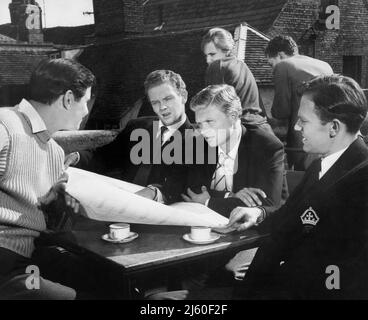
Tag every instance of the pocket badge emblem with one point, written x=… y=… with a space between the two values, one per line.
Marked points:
x=309 y=217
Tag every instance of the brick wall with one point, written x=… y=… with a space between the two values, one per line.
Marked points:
x=331 y=45
x=134 y=16
x=109 y=16
x=118 y=17
x=328 y=49
x=354 y=32
x=295 y=18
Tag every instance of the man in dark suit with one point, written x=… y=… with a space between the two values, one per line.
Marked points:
x=290 y=70
x=248 y=167
x=143 y=151
x=318 y=244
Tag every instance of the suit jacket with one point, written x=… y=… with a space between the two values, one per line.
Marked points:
x=169 y=178
x=339 y=238
x=260 y=165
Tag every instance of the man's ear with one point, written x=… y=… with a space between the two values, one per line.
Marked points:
x=184 y=96
x=282 y=55
x=68 y=99
x=334 y=128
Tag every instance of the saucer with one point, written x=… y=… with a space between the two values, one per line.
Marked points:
x=131 y=237
x=213 y=238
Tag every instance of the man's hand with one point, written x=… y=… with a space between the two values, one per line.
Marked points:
x=148 y=193
x=250 y=196
x=58 y=207
x=196 y=197
x=243 y=218
x=58 y=190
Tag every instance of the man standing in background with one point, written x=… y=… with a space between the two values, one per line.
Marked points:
x=290 y=71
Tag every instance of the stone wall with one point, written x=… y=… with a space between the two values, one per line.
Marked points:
x=72 y=141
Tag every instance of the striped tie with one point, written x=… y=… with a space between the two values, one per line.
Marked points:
x=219 y=178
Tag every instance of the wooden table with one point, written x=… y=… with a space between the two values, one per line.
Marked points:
x=158 y=250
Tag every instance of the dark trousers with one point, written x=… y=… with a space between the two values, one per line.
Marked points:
x=60 y=275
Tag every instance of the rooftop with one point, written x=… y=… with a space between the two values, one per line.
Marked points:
x=193 y=14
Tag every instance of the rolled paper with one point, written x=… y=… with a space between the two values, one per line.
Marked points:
x=107 y=199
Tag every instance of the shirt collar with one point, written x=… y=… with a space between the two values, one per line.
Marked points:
x=35 y=121
x=329 y=161
x=233 y=152
x=172 y=128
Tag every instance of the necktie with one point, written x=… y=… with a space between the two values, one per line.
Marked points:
x=316 y=170
x=219 y=177
x=163 y=130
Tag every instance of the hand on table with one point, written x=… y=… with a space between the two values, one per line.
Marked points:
x=243 y=218
x=196 y=197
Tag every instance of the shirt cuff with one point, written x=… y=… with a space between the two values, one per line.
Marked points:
x=227 y=194
x=158 y=195
x=262 y=216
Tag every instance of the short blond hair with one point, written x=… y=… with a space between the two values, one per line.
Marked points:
x=220 y=95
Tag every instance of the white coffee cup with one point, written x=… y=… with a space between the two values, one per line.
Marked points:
x=200 y=233
x=119 y=231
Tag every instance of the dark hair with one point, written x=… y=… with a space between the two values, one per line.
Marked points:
x=338 y=97
x=158 y=77
x=279 y=44
x=220 y=95
x=52 y=78
x=221 y=38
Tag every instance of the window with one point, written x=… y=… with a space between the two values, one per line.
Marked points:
x=352 y=67
x=55 y=55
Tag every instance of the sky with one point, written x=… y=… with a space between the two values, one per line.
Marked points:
x=58 y=12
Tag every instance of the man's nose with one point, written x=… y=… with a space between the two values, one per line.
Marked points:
x=204 y=129
x=297 y=127
x=163 y=106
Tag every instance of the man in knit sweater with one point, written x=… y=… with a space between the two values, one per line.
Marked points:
x=31 y=164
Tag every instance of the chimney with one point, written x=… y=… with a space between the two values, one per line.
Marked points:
x=118 y=17
x=26 y=18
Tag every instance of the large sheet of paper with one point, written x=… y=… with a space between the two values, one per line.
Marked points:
x=108 y=199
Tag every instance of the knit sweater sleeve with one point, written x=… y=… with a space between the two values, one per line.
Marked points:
x=4 y=148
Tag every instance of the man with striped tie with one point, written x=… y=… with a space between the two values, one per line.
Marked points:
x=250 y=161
